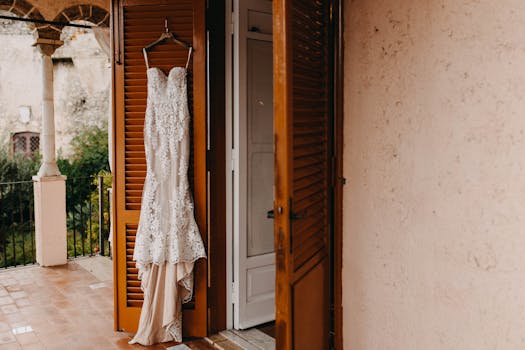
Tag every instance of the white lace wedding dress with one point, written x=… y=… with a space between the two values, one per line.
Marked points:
x=168 y=240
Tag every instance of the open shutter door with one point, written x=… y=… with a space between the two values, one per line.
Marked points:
x=137 y=23
x=303 y=127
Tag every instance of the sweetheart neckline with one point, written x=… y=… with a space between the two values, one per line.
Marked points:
x=169 y=73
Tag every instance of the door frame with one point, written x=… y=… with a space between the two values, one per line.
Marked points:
x=237 y=164
x=220 y=250
x=229 y=166
x=339 y=181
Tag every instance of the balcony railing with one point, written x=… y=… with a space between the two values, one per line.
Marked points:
x=88 y=219
x=17 y=229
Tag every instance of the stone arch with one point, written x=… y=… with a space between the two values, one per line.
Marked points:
x=91 y=13
x=21 y=8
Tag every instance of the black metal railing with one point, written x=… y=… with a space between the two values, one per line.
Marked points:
x=88 y=216
x=88 y=219
x=17 y=229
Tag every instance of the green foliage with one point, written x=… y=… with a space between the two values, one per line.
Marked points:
x=16 y=188
x=90 y=154
x=16 y=203
x=84 y=220
x=89 y=160
x=17 y=244
x=17 y=167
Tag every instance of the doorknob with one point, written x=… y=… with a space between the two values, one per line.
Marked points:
x=270 y=214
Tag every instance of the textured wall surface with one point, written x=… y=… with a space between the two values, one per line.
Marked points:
x=50 y=8
x=82 y=79
x=434 y=206
x=20 y=81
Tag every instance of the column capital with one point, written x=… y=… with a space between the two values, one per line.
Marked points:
x=47 y=46
x=49 y=169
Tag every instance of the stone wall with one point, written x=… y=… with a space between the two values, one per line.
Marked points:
x=50 y=9
x=20 y=80
x=94 y=11
x=82 y=83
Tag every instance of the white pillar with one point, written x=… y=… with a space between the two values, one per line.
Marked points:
x=47 y=137
x=49 y=185
x=50 y=220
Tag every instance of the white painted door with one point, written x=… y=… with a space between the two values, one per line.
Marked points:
x=254 y=258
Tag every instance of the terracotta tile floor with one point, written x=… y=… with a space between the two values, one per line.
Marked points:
x=61 y=308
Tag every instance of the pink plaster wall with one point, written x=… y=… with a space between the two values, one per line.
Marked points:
x=434 y=206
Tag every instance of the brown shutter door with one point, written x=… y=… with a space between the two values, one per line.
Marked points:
x=303 y=173
x=137 y=23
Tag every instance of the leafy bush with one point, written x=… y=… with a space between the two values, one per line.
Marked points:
x=90 y=154
x=89 y=160
x=17 y=167
x=90 y=157
x=83 y=218
x=16 y=208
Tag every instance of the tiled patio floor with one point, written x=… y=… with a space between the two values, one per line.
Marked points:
x=63 y=307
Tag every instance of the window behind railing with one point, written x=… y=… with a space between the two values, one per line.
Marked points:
x=26 y=143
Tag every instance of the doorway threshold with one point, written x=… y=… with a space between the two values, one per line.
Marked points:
x=251 y=339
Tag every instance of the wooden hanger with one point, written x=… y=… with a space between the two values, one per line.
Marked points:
x=164 y=36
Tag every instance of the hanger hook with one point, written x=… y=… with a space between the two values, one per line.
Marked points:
x=166 y=25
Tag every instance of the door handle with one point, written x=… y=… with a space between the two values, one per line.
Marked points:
x=270 y=214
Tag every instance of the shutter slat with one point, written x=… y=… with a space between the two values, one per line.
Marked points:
x=139 y=156
x=308 y=251
x=135 y=38
x=133 y=291
x=309 y=238
x=310 y=132
x=309 y=204
x=307 y=181
x=317 y=161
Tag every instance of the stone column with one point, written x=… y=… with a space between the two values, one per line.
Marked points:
x=49 y=185
x=47 y=137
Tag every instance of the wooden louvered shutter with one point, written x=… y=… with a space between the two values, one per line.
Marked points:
x=137 y=23
x=303 y=129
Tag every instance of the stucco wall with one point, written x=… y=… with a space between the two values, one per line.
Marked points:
x=82 y=89
x=434 y=206
x=20 y=81
x=81 y=86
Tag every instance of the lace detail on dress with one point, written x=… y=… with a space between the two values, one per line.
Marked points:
x=175 y=329
x=167 y=231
